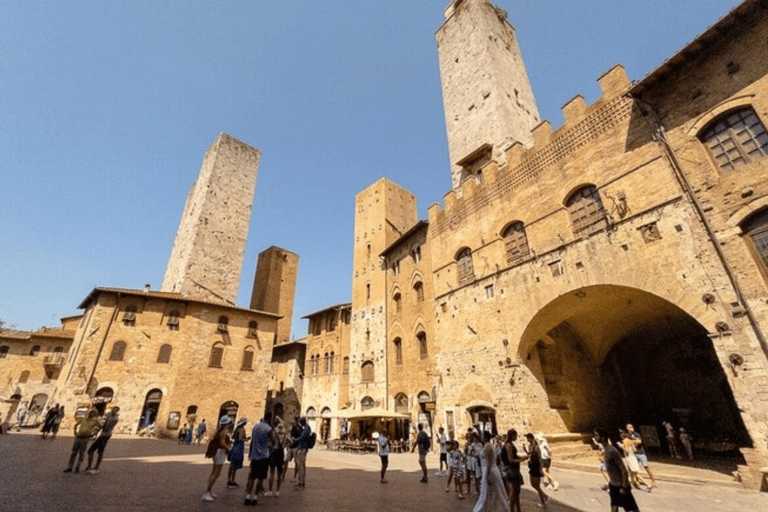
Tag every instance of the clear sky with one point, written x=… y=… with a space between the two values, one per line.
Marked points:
x=106 y=110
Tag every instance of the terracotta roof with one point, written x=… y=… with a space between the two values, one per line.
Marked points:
x=165 y=295
x=329 y=308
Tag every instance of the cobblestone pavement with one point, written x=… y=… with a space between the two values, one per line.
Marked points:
x=149 y=474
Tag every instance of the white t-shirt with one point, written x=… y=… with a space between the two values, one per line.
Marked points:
x=383 y=445
x=443 y=443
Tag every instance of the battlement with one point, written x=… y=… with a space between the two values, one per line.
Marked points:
x=583 y=124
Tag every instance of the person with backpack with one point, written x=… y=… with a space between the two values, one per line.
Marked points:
x=217 y=449
x=423 y=443
x=305 y=441
x=85 y=429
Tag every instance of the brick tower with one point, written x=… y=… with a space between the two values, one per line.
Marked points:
x=274 y=287
x=383 y=213
x=487 y=97
x=207 y=255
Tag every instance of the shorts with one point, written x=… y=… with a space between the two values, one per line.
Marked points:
x=545 y=463
x=384 y=459
x=277 y=460
x=236 y=464
x=642 y=459
x=444 y=458
x=290 y=454
x=220 y=457
x=259 y=469
x=624 y=500
x=514 y=477
x=422 y=456
x=99 y=444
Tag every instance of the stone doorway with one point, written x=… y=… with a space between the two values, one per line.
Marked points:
x=483 y=418
x=608 y=355
x=149 y=411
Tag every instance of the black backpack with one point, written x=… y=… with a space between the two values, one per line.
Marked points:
x=312 y=440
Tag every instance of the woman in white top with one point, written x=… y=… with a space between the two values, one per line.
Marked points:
x=493 y=495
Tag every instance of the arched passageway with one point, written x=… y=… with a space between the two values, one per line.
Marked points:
x=608 y=355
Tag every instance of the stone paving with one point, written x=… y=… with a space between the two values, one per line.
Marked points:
x=150 y=474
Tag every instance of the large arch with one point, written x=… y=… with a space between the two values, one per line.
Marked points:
x=607 y=355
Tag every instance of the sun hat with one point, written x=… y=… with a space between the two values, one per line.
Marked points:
x=241 y=422
x=225 y=420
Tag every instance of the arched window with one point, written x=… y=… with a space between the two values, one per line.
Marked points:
x=515 y=242
x=367 y=371
x=247 y=359
x=465 y=270
x=586 y=210
x=223 y=324
x=164 y=356
x=253 y=329
x=325 y=360
x=418 y=291
x=217 y=355
x=401 y=403
x=422 y=338
x=329 y=363
x=118 y=351
x=346 y=365
x=398 y=350
x=34 y=350
x=368 y=290
x=311 y=414
x=173 y=320
x=4 y=351
x=129 y=317
x=756 y=230
x=735 y=138
x=332 y=322
x=398 y=302
x=314 y=363
x=366 y=403
x=24 y=377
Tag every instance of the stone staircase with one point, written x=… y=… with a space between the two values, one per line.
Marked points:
x=571 y=446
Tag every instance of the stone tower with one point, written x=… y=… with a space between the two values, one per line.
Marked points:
x=383 y=213
x=487 y=97
x=207 y=255
x=274 y=287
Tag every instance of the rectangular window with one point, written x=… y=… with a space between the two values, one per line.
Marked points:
x=489 y=291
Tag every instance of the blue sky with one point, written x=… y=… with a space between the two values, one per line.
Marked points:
x=106 y=110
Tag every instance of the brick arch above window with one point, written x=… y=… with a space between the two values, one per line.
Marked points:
x=707 y=117
x=735 y=138
x=586 y=210
x=515 y=241
x=464 y=267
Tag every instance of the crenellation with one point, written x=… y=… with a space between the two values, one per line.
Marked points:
x=574 y=110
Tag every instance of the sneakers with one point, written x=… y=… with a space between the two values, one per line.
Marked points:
x=94 y=471
x=77 y=470
x=268 y=494
x=424 y=480
x=277 y=494
x=461 y=496
x=68 y=470
x=384 y=481
x=232 y=485
x=207 y=497
x=251 y=500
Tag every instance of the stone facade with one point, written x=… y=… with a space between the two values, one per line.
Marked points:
x=274 y=287
x=612 y=270
x=30 y=363
x=207 y=255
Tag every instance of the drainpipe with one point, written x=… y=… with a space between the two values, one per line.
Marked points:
x=660 y=135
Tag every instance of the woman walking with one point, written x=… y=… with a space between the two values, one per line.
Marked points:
x=534 y=467
x=511 y=461
x=217 y=450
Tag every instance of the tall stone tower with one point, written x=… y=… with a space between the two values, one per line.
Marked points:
x=274 y=287
x=207 y=255
x=383 y=213
x=487 y=97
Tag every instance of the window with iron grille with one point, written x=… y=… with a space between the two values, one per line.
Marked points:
x=735 y=138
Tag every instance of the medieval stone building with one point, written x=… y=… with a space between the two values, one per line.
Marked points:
x=188 y=352
x=612 y=270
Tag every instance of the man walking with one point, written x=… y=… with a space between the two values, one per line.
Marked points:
x=301 y=452
x=422 y=441
x=200 y=434
x=259 y=454
x=383 y=455
x=618 y=485
x=443 y=440
x=101 y=442
x=84 y=429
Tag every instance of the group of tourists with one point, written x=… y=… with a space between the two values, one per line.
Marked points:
x=271 y=450
x=86 y=428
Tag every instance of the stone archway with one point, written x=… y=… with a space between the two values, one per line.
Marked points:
x=607 y=355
